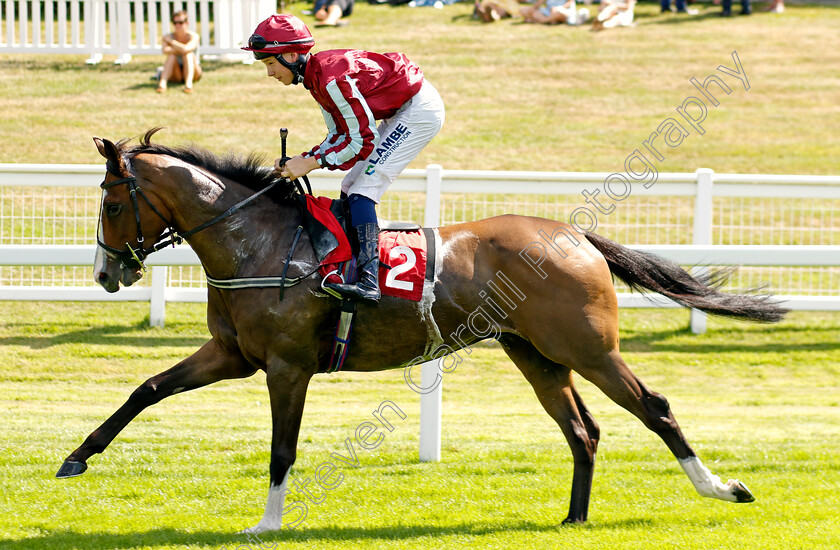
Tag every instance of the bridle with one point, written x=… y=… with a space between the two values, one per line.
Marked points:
x=134 y=258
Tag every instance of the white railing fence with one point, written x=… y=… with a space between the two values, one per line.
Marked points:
x=125 y=27
x=48 y=218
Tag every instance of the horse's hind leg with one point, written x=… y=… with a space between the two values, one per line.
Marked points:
x=554 y=388
x=615 y=379
x=209 y=364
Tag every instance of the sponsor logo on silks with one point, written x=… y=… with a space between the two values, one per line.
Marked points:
x=387 y=145
x=370 y=169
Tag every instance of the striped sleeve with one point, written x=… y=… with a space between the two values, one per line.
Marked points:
x=346 y=149
x=332 y=136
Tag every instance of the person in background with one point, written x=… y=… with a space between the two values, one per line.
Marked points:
x=746 y=9
x=329 y=13
x=614 y=13
x=181 y=51
x=354 y=89
x=776 y=6
x=552 y=12
x=437 y=4
x=489 y=11
x=679 y=7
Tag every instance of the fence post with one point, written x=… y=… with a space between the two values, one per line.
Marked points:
x=430 y=412
x=94 y=14
x=431 y=403
x=157 y=307
x=434 y=179
x=121 y=43
x=702 y=232
x=23 y=22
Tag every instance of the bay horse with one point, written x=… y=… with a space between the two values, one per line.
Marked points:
x=564 y=317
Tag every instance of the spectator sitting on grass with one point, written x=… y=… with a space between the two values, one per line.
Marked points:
x=181 y=51
x=329 y=13
x=552 y=12
x=438 y=4
x=494 y=10
x=614 y=13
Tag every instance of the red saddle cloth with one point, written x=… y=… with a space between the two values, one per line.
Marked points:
x=402 y=256
x=404 y=252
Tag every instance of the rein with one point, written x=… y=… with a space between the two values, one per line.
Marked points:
x=137 y=257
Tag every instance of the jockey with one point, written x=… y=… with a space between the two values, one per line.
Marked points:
x=354 y=88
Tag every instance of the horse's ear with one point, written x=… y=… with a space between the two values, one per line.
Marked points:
x=108 y=150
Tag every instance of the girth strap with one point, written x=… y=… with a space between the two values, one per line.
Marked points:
x=255 y=282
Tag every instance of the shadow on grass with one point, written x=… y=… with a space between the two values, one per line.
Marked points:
x=635 y=341
x=669 y=340
x=68 y=539
x=145 y=64
x=151 y=84
x=109 y=335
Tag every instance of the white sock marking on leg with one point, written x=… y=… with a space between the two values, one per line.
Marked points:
x=272 y=519
x=706 y=483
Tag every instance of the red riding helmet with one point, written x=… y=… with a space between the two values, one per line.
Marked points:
x=278 y=34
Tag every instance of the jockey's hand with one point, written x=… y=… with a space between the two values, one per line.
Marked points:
x=296 y=167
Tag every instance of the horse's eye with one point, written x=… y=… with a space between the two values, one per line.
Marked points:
x=112 y=209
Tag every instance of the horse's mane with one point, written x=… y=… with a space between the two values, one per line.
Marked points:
x=249 y=171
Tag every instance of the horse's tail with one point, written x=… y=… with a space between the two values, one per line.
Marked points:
x=643 y=271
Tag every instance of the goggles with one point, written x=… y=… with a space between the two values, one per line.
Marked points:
x=257 y=42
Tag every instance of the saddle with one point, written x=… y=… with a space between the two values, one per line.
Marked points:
x=327 y=222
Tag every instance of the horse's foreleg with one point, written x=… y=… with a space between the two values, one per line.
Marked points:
x=554 y=388
x=616 y=380
x=287 y=392
x=209 y=364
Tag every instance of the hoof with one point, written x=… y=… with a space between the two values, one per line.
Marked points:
x=740 y=492
x=573 y=521
x=71 y=468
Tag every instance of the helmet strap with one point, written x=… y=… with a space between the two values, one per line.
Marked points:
x=298 y=68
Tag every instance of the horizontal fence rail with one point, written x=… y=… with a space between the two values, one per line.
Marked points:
x=435 y=196
x=125 y=27
x=158 y=293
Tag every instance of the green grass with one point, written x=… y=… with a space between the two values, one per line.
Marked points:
x=758 y=403
x=519 y=97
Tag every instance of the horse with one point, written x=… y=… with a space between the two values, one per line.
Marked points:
x=551 y=305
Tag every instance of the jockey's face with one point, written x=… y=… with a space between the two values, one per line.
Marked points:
x=276 y=70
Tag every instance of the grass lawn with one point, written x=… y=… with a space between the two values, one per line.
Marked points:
x=518 y=97
x=758 y=403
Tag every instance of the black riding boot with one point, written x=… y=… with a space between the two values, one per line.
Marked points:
x=367 y=289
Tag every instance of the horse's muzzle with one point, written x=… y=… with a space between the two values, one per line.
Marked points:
x=110 y=277
x=109 y=272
